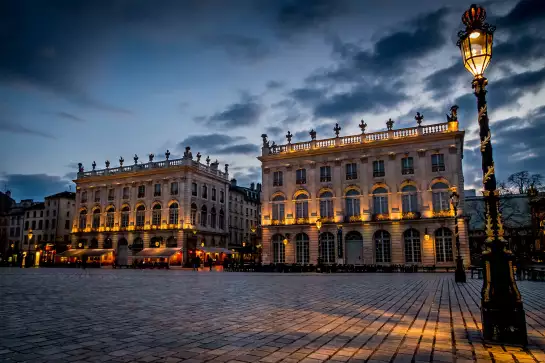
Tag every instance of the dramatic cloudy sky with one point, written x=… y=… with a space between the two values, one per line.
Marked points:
x=96 y=80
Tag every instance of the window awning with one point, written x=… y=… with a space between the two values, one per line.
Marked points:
x=89 y=252
x=158 y=252
x=215 y=250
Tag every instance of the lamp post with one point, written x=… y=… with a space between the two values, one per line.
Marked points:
x=27 y=259
x=318 y=227
x=459 y=274
x=501 y=304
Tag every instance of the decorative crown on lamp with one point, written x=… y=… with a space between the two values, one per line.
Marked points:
x=475 y=41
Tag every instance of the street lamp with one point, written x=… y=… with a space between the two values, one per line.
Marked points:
x=318 y=227
x=501 y=304
x=459 y=274
x=27 y=260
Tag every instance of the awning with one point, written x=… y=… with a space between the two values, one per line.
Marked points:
x=215 y=250
x=158 y=252
x=89 y=252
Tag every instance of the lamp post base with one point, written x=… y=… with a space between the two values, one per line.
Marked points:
x=460 y=273
x=503 y=317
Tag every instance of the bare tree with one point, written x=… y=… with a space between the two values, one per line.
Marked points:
x=522 y=180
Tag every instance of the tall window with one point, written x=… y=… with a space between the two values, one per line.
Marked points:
x=83 y=219
x=408 y=199
x=325 y=173
x=213 y=217
x=278 y=179
x=440 y=197
x=96 y=218
x=157 y=190
x=222 y=220
x=326 y=205
x=351 y=171
x=278 y=208
x=443 y=245
x=156 y=215
x=222 y=196
x=204 y=215
x=140 y=216
x=279 y=251
x=125 y=211
x=302 y=248
x=47 y=224
x=126 y=193
x=382 y=246
x=301 y=206
x=40 y=224
x=194 y=214
x=173 y=213
x=412 y=246
x=204 y=193
x=327 y=247
x=194 y=189
x=110 y=212
x=214 y=194
x=407 y=165
x=438 y=162
x=141 y=191
x=380 y=201
x=97 y=198
x=301 y=176
x=378 y=168
x=111 y=194
x=352 y=203
x=83 y=198
x=174 y=188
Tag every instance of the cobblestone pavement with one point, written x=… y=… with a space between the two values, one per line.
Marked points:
x=58 y=315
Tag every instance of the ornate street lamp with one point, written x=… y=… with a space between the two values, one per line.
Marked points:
x=318 y=227
x=459 y=274
x=501 y=304
x=27 y=259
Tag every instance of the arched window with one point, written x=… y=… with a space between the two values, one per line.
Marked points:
x=156 y=215
x=82 y=242
x=125 y=211
x=110 y=213
x=173 y=213
x=83 y=219
x=301 y=206
x=412 y=246
x=194 y=214
x=108 y=243
x=443 y=245
x=222 y=219
x=137 y=245
x=440 y=197
x=326 y=205
x=172 y=242
x=278 y=208
x=302 y=248
x=213 y=217
x=140 y=216
x=408 y=199
x=96 y=218
x=327 y=247
x=382 y=246
x=279 y=250
x=380 y=201
x=352 y=203
x=204 y=215
x=94 y=243
x=155 y=242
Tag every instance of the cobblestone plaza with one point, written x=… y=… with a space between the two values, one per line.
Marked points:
x=68 y=315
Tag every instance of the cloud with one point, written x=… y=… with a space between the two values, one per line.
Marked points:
x=15 y=128
x=246 y=175
x=35 y=186
x=523 y=15
x=240 y=46
x=294 y=16
x=273 y=131
x=274 y=85
x=244 y=113
x=69 y=116
x=218 y=144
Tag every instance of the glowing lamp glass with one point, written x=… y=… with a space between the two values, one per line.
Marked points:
x=285 y=241
x=476 y=51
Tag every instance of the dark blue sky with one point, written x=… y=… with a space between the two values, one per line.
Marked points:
x=96 y=80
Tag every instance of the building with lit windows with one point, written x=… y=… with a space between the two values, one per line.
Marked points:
x=156 y=209
x=371 y=198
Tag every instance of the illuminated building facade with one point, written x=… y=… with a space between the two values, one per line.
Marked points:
x=373 y=198
x=157 y=204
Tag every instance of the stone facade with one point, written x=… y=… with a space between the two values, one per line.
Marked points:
x=381 y=198
x=244 y=213
x=170 y=203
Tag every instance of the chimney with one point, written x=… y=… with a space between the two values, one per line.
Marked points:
x=252 y=186
x=233 y=182
x=259 y=187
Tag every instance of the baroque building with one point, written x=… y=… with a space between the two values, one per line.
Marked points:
x=371 y=198
x=177 y=204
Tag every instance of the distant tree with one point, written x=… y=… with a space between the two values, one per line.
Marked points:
x=522 y=180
